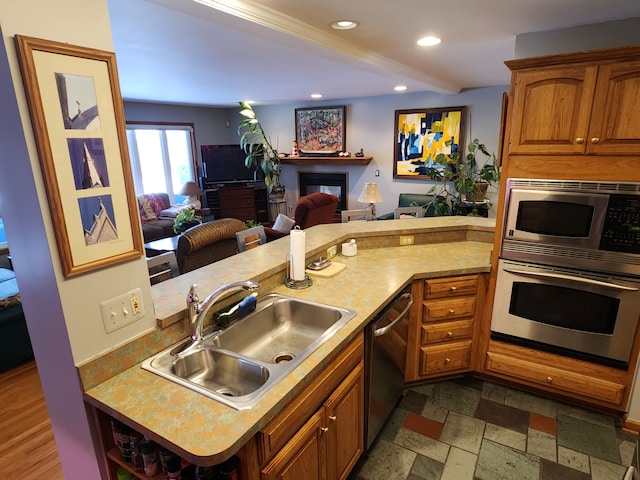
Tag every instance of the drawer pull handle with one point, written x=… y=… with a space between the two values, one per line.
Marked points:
x=453 y=289
x=580 y=140
x=452 y=311
x=333 y=418
x=447 y=361
x=549 y=380
x=450 y=334
x=595 y=140
x=324 y=429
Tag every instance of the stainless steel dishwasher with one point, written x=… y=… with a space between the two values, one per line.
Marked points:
x=385 y=354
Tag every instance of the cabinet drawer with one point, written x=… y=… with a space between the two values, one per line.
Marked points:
x=448 y=309
x=240 y=212
x=445 y=358
x=450 y=286
x=446 y=331
x=555 y=378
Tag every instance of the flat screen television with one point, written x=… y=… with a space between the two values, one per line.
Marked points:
x=225 y=164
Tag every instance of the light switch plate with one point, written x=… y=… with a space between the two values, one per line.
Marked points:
x=122 y=310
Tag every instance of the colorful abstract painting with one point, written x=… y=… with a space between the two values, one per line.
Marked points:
x=320 y=129
x=422 y=134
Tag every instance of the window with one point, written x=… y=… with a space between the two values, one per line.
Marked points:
x=162 y=157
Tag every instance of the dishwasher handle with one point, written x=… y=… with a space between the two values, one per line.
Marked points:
x=381 y=331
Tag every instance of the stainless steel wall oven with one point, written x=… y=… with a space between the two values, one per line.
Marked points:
x=569 y=270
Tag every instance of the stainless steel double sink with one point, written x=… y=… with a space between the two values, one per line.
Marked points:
x=238 y=365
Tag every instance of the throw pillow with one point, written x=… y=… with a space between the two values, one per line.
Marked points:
x=283 y=223
x=147 y=212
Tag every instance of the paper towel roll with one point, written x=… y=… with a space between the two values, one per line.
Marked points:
x=297 y=251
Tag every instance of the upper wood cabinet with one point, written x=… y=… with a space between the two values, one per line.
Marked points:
x=576 y=104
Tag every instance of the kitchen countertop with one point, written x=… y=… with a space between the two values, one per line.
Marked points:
x=206 y=432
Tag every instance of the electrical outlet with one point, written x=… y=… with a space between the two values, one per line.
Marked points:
x=406 y=239
x=122 y=310
x=332 y=251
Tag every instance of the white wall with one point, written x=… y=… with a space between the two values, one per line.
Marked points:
x=588 y=37
x=370 y=126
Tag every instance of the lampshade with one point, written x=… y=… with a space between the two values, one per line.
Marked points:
x=190 y=189
x=370 y=193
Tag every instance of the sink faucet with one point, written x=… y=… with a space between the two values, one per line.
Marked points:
x=197 y=311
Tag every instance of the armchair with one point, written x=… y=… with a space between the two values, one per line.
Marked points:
x=313 y=209
x=207 y=243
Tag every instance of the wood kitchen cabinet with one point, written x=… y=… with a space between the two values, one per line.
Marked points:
x=576 y=104
x=320 y=434
x=578 y=379
x=330 y=442
x=442 y=326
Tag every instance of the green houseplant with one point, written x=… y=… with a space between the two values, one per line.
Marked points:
x=186 y=219
x=258 y=148
x=470 y=179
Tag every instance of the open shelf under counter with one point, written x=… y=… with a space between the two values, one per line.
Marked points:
x=352 y=160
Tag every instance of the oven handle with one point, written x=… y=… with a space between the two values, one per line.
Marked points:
x=381 y=331
x=561 y=276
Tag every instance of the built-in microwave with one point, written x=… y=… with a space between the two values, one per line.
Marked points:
x=579 y=224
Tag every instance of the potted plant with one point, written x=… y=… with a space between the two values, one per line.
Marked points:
x=259 y=151
x=186 y=219
x=470 y=179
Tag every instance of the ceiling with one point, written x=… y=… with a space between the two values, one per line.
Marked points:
x=281 y=51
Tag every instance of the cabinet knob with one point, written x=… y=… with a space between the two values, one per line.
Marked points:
x=324 y=429
x=549 y=379
x=580 y=140
x=333 y=418
x=447 y=361
x=595 y=140
x=452 y=311
x=453 y=289
x=450 y=334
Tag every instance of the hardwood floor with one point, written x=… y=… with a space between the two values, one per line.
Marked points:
x=27 y=447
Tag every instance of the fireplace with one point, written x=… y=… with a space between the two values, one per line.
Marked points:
x=333 y=183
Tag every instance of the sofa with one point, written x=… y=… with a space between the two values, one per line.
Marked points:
x=15 y=344
x=157 y=215
x=415 y=200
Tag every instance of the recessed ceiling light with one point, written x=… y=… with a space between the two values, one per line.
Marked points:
x=400 y=88
x=429 y=41
x=316 y=95
x=344 y=24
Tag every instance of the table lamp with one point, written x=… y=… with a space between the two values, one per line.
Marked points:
x=192 y=191
x=371 y=195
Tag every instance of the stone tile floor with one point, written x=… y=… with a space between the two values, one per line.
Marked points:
x=476 y=430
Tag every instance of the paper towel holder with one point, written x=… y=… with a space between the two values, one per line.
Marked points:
x=296 y=284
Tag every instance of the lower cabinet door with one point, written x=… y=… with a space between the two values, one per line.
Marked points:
x=345 y=421
x=303 y=457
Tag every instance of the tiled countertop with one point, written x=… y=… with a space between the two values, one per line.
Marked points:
x=206 y=432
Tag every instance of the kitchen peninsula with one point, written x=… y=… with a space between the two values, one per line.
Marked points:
x=206 y=432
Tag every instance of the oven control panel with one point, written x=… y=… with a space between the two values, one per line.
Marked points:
x=621 y=230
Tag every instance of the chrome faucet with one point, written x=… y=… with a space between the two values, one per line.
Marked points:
x=197 y=311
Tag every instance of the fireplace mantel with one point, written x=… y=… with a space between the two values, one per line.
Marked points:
x=326 y=160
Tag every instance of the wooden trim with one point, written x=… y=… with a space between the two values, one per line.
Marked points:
x=631 y=426
x=601 y=55
x=309 y=161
